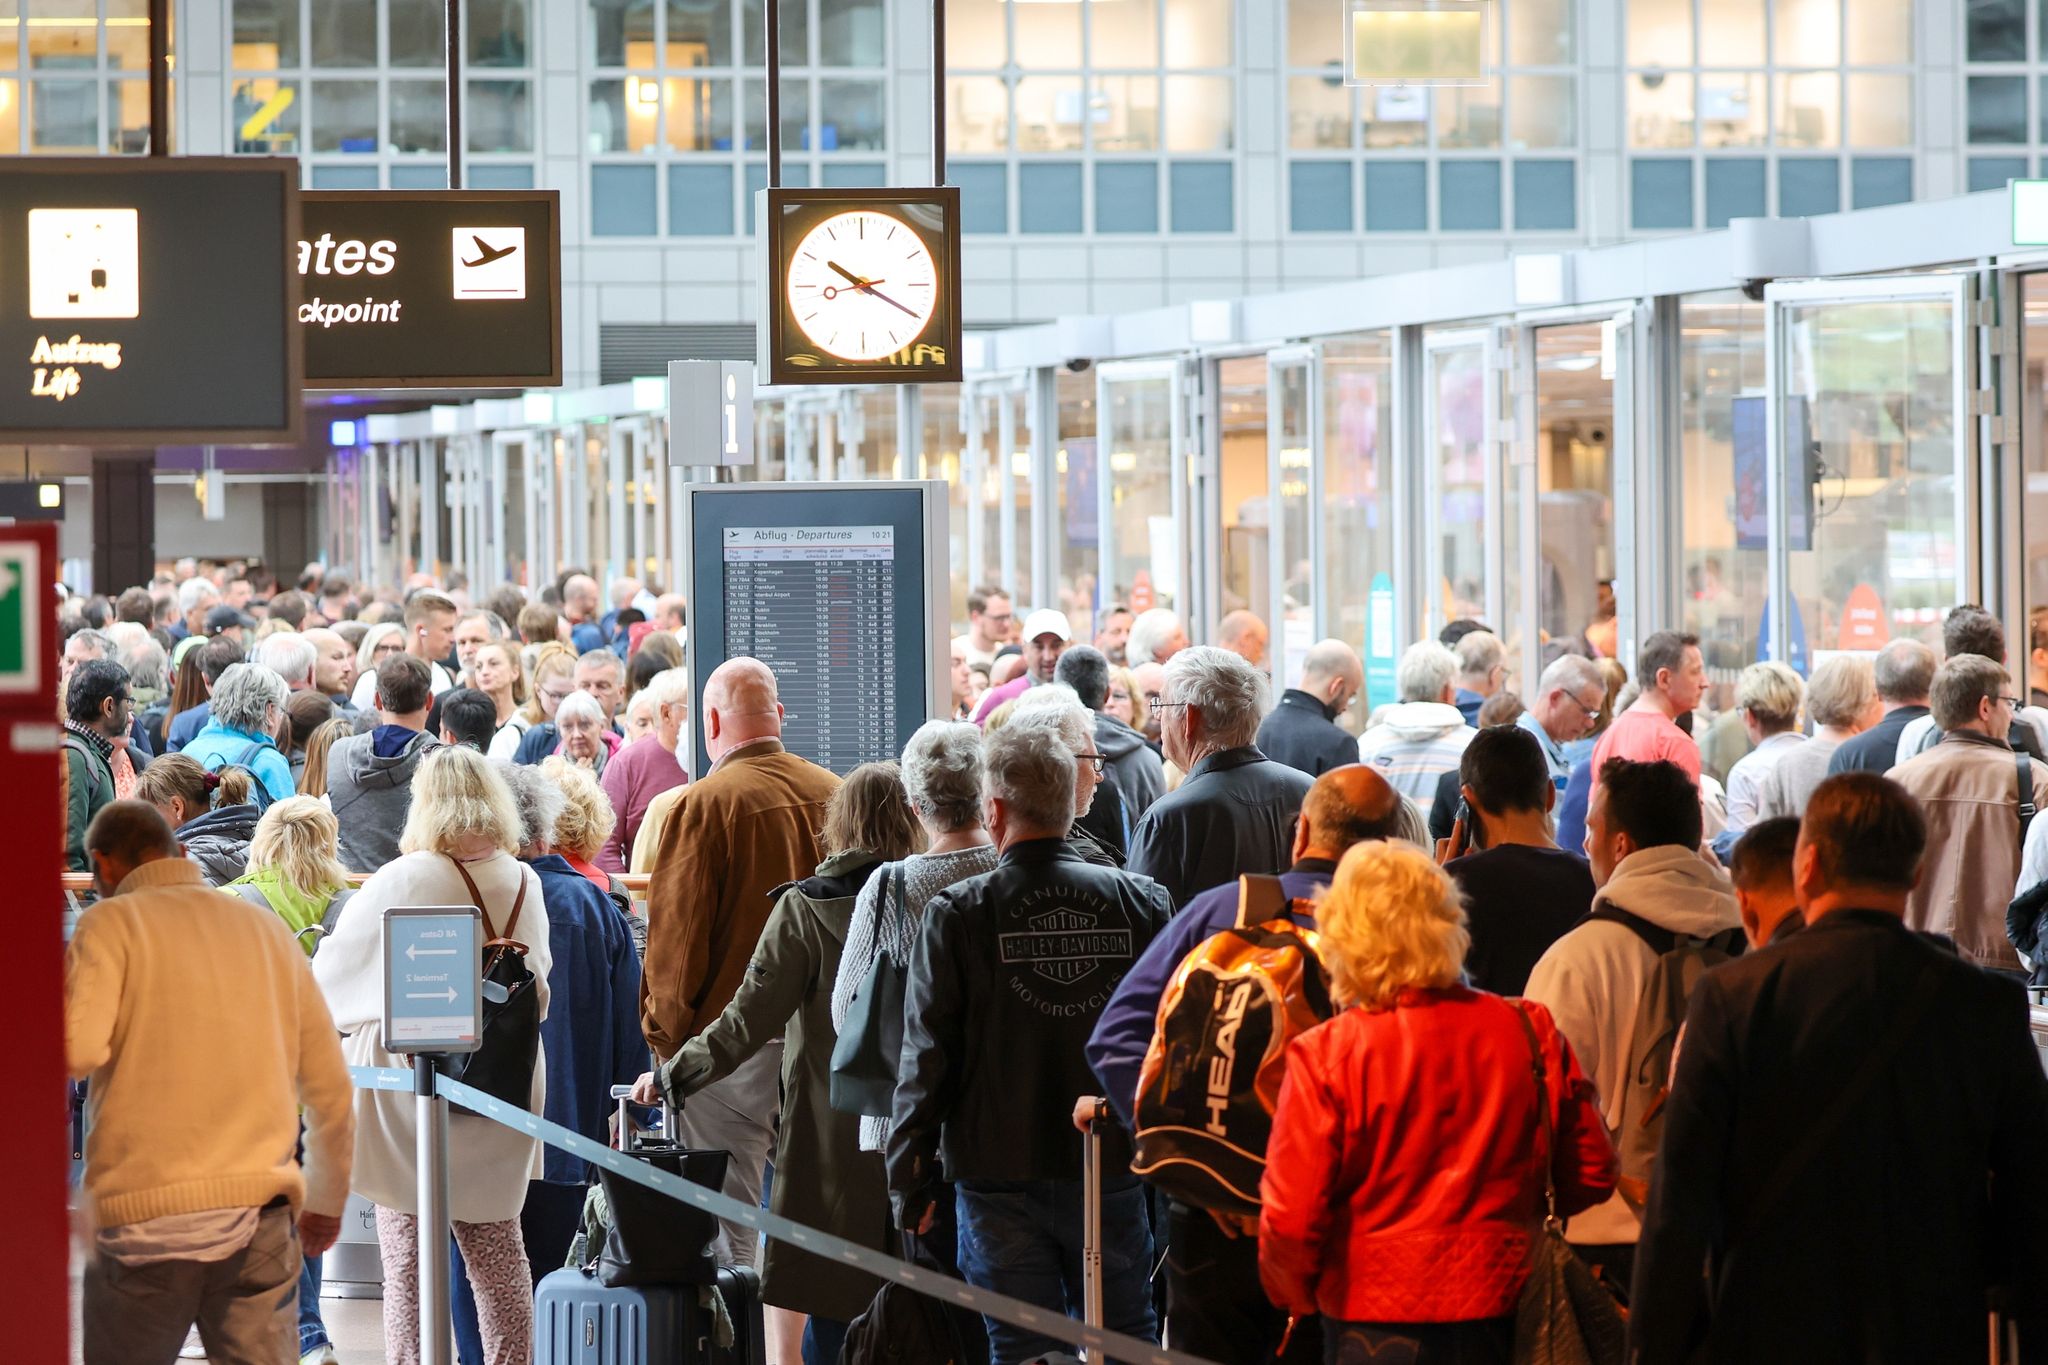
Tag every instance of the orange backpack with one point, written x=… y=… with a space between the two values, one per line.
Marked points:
x=1211 y=1078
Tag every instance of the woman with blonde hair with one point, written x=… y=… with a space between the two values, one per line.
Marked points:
x=498 y=676
x=295 y=867
x=380 y=642
x=1127 y=700
x=586 y=821
x=1413 y=1144
x=553 y=672
x=295 y=873
x=458 y=847
x=313 y=776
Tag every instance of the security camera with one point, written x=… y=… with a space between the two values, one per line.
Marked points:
x=1597 y=436
x=1079 y=365
x=1753 y=290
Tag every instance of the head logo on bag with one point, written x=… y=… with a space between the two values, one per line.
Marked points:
x=1211 y=1078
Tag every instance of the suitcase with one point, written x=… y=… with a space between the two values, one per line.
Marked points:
x=577 y=1321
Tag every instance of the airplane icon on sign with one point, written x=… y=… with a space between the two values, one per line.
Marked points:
x=486 y=253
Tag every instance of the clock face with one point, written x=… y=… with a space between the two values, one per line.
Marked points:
x=862 y=284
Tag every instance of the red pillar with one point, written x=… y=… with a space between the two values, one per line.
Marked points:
x=34 y=1151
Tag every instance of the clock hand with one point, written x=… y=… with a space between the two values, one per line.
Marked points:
x=866 y=286
x=851 y=278
x=886 y=299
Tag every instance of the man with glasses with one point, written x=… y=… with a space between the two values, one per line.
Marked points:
x=97 y=710
x=1569 y=696
x=989 y=619
x=1971 y=787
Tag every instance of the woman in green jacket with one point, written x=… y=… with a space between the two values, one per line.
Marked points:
x=294 y=869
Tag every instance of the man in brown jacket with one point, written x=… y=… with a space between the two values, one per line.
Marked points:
x=1969 y=788
x=726 y=842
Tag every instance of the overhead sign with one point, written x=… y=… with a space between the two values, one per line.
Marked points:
x=861 y=286
x=431 y=288
x=432 y=966
x=32 y=500
x=147 y=301
x=710 y=412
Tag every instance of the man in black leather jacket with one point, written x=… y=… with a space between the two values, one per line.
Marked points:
x=1010 y=972
x=1235 y=812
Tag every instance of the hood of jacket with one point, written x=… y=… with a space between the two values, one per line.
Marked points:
x=1116 y=739
x=372 y=770
x=834 y=889
x=1673 y=888
x=1421 y=720
x=219 y=842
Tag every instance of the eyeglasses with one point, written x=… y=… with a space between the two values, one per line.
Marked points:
x=2013 y=702
x=1096 y=761
x=1159 y=705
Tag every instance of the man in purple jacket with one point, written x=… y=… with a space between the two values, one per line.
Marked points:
x=1214 y=1304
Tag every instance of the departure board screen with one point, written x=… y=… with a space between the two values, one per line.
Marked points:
x=828 y=586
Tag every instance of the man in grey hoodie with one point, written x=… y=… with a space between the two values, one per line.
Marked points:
x=369 y=776
x=1643 y=833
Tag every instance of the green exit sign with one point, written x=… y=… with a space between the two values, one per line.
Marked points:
x=21 y=623
x=2029 y=212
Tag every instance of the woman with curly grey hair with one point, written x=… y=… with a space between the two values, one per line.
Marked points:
x=942 y=779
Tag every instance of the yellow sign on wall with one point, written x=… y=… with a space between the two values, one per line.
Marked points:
x=1417 y=42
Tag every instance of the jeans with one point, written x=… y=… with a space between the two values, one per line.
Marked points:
x=1484 y=1341
x=1023 y=1238
x=312 y=1331
x=244 y=1305
x=1216 y=1308
x=822 y=1339
x=547 y=1224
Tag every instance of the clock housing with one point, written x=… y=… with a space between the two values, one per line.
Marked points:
x=860 y=286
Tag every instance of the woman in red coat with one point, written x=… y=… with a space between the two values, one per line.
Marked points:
x=1404 y=1179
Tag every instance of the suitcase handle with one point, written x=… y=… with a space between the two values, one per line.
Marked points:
x=1091 y=1217
x=622 y=1096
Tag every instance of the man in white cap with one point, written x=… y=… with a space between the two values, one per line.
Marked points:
x=1046 y=637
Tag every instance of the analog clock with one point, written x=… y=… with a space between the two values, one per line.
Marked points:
x=859 y=286
x=862 y=284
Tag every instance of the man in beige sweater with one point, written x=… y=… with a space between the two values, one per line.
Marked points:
x=197 y=1018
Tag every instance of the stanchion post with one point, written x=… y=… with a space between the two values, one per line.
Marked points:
x=431 y=1158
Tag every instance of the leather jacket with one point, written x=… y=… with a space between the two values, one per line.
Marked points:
x=1011 y=971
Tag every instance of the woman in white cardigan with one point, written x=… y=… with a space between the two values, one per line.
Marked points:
x=462 y=812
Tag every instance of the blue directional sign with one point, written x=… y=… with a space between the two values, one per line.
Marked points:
x=432 y=961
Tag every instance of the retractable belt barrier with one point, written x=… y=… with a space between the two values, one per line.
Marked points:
x=1099 y=1343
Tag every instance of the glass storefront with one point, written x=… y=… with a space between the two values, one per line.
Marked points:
x=1723 y=565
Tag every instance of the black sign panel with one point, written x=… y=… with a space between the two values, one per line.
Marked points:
x=431 y=288
x=861 y=286
x=148 y=300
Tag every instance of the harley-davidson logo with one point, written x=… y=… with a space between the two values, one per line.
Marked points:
x=1064 y=945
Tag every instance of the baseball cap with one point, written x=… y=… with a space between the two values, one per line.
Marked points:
x=221 y=618
x=1046 y=621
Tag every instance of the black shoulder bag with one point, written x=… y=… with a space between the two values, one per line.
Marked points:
x=509 y=1046
x=870 y=1048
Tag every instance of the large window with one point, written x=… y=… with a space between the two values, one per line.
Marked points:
x=1245 y=487
x=2005 y=101
x=1495 y=157
x=1121 y=117
x=356 y=87
x=677 y=120
x=1076 y=468
x=74 y=77
x=1751 y=108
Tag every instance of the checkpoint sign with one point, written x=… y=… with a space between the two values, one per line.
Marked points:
x=431 y=288
x=432 y=962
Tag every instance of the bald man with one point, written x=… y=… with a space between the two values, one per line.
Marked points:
x=580 y=609
x=717 y=848
x=1246 y=636
x=1215 y=1308
x=1302 y=731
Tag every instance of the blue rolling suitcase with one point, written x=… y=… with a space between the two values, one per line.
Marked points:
x=577 y=1321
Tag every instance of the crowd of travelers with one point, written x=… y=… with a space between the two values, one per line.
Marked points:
x=1385 y=1019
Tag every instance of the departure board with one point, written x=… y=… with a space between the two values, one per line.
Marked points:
x=839 y=589
x=817 y=604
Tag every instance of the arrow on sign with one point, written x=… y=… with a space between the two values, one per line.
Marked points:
x=415 y=952
x=8 y=580
x=448 y=995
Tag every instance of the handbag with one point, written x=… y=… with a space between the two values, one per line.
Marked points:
x=650 y=1238
x=870 y=1048
x=1564 y=1317
x=508 y=1047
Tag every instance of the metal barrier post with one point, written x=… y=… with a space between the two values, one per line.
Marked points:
x=431 y=1158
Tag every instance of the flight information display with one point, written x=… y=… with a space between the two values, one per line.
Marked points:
x=817 y=604
x=831 y=586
